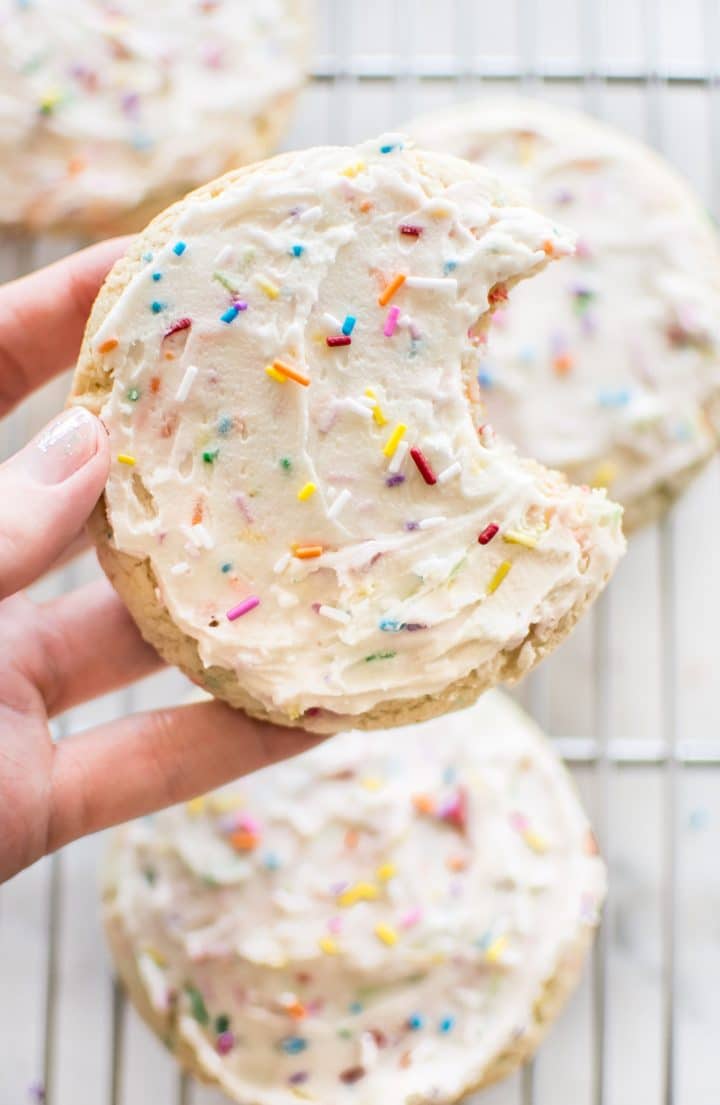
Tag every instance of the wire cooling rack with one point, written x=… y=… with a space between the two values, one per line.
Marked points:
x=632 y=696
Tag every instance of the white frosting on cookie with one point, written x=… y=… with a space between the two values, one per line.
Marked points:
x=105 y=104
x=370 y=922
x=606 y=366
x=294 y=440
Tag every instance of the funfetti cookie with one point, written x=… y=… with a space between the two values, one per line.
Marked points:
x=111 y=109
x=392 y=917
x=305 y=511
x=608 y=367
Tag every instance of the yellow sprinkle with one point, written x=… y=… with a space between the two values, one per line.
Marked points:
x=225 y=803
x=387 y=934
x=394 y=440
x=604 y=474
x=156 y=956
x=195 y=806
x=125 y=458
x=535 y=841
x=328 y=945
x=499 y=576
x=306 y=491
x=371 y=782
x=494 y=951
x=50 y=101
x=386 y=871
x=353 y=169
x=360 y=892
x=377 y=410
x=275 y=375
x=515 y=537
x=271 y=290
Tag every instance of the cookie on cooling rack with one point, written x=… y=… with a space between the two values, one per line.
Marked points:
x=390 y=917
x=112 y=110
x=608 y=367
x=304 y=511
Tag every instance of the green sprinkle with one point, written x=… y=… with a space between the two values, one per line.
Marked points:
x=133 y=395
x=286 y=463
x=222 y=1023
x=150 y=874
x=225 y=424
x=227 y=281
x=197 y=1004
x=380 y=656
x=210 y=455
x=344 y=1033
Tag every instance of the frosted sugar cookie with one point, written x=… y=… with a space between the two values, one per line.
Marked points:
x=392 y=917
x=305 y=511
x=608 y=367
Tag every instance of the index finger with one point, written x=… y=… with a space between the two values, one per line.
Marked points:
x=43 y=316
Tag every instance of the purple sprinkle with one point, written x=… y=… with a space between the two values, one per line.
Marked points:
x=240 y=304
x=225 y=1043
x=412 y=627
x=395 y=480
x=298 y=1078
x=410 y=526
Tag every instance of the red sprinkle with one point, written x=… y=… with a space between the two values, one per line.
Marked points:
x=497 y=294
x=488 y=533
x=181 y=324
x=340 y=339
x=352 y=1074
x=410 y=230
x=423 y=466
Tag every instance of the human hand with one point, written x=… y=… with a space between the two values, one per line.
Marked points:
x=83 y=644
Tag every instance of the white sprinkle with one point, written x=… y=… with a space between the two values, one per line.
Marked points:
x=311 y=215
x=369 y=1051
x=337 y=505
x=331 y=322
x=367 y=401
x=432 y=284
x=358 y=407
x=431 y=523
x=186 y=383
x=449 y=472
x=334 y=614
x=225 y=257
x=198 y=536
x=180 y=569
x=281 y=564
x=396 y=460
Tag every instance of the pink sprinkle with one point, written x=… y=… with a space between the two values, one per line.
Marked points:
x=181 y=324
x=225 y=1043
x=249 y=823
x=335 y=925
x=391 y=322
x=519 y=822
x=411 y=918
x=410 y=230
x=243 y=607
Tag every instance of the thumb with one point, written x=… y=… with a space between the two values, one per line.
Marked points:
x=47 y=491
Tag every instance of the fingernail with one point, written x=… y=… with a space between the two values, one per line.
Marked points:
x=63 y=447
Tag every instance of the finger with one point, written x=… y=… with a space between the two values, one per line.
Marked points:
x=79 y=544
x=82 y=645
x=147 y=761
x=43 y=316
x=47 y=491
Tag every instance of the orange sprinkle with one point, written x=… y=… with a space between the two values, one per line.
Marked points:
x=169 y=356
x=548 y=247
x=291 y=373
x=76 y=165
x=562 y=364
x=366 y=205
x=197 y=514
x=389 y=290
x=457 y=863
x=296 y=1010
x=352 y=836
x=154 y=384
x=108 y=346
x=423 y=803
x=243 y=841
x=307 y=552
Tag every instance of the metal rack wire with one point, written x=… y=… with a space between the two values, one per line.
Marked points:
x=405 y=77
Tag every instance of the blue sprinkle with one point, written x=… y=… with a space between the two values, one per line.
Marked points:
x=157 y=276
x=485 y=379
x=179 y=248
x=449 y=775
x=447 y=1024
x=231 y=314
x=226 y=567
x=225 y=424
x=389 y=625
x=156 y=306
x=355 y=1007
x=270 y=861
x=449 y=267
x=147 y=257
x=297 y=250
x=484 y=941
x=293 y=1045
x=349 y=325
x=142 y=142
x=391 y=146
x=415 y=1021
x=614 y=398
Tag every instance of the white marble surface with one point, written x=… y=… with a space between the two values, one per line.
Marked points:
x=666 y=593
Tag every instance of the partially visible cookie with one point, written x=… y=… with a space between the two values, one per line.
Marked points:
x=608 y=367
x=112 y=110
x=388 y=918
x=304 y=509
